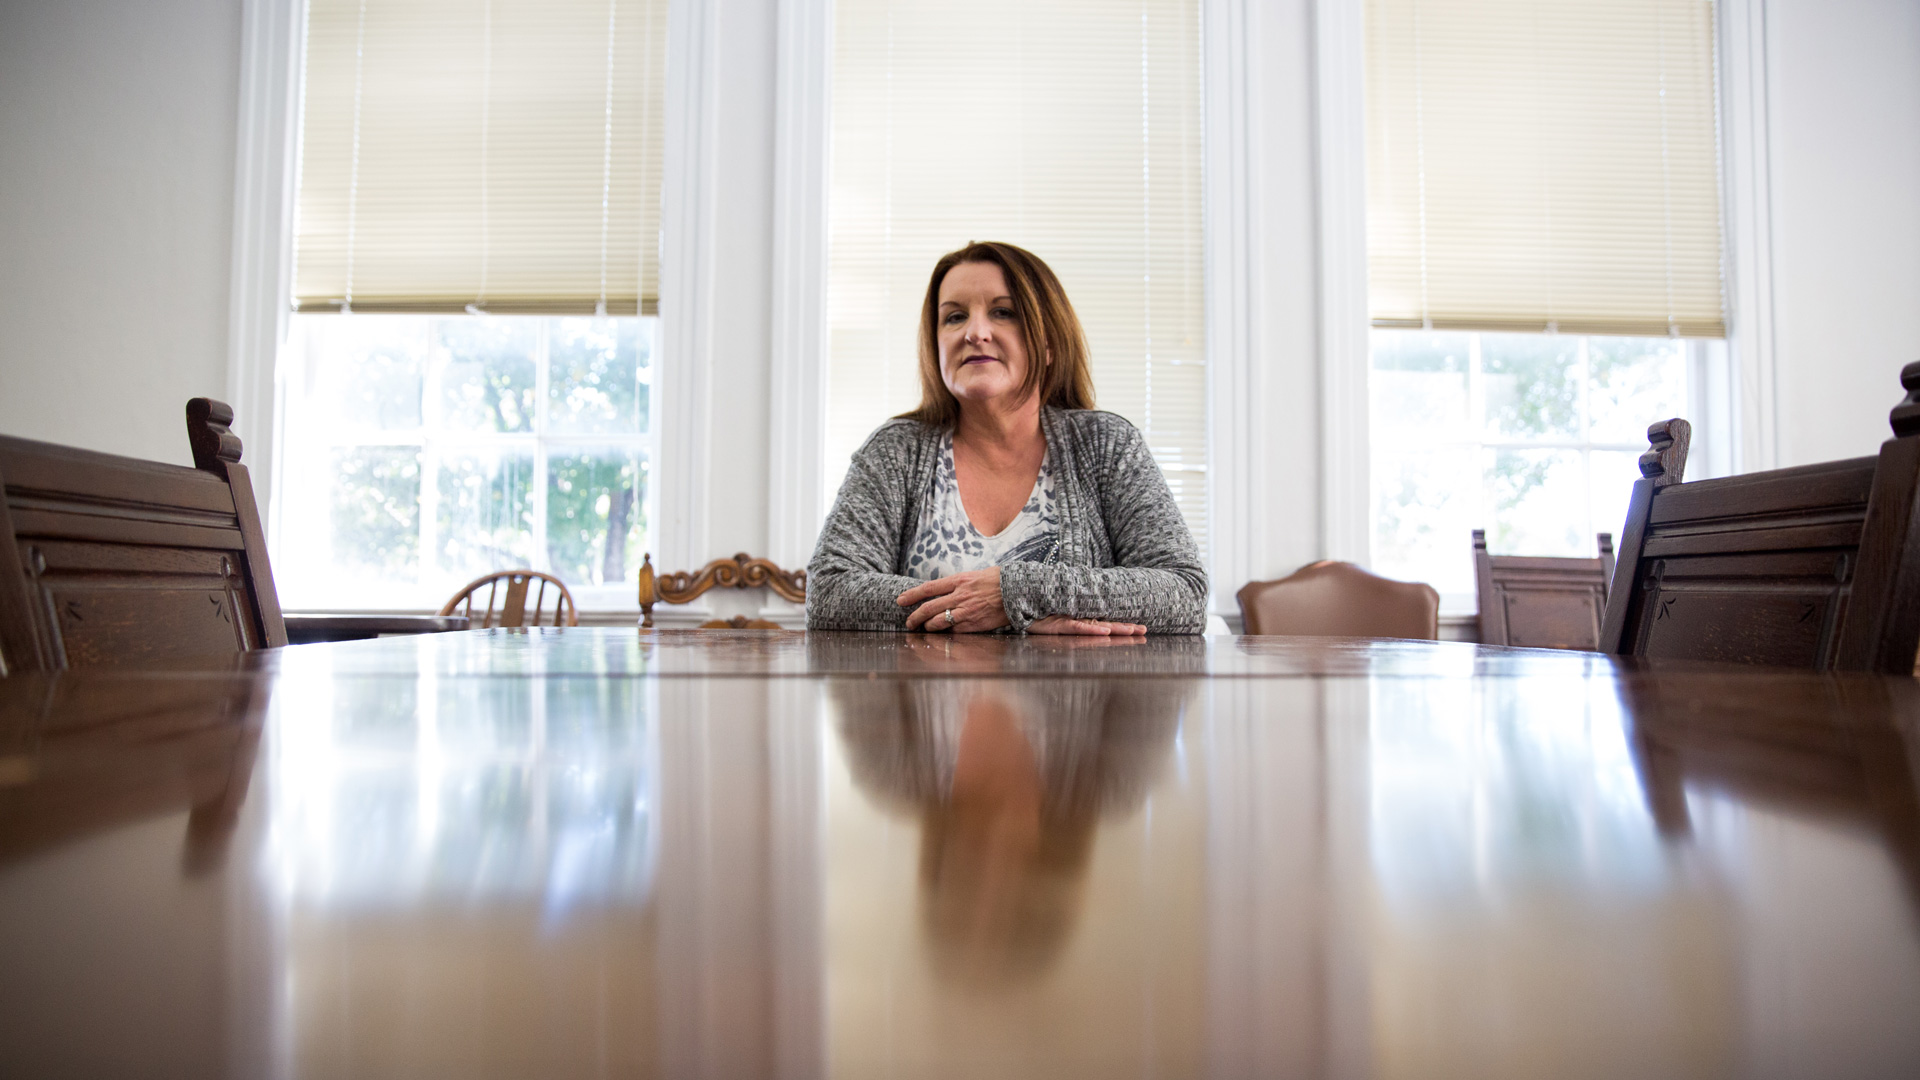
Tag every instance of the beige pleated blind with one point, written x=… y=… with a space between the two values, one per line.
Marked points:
x=503 y=154
x=1068 y=127
x=1544 y=164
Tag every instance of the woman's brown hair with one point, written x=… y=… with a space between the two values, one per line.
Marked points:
x=1056 y=346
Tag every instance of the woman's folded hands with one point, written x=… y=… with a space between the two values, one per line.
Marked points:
x=970 y=603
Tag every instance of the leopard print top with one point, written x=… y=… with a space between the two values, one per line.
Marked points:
x=946 y=541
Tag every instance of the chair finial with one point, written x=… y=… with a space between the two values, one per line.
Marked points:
x=1665 y=461
x=1906 y=415
x=214 y=446
x=647 y=597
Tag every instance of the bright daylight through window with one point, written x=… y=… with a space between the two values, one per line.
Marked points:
x=1533 y=437
x=430 y=449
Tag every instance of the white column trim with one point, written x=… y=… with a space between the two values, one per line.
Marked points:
x=272 y=52
x=803 y=116
x=1340 y=129
x=687 y=289
x=1236 y=441
x=1747 y=189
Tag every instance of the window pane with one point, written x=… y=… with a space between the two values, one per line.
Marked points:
x=1420 y=384
x=487 y=373
x=1636 y=382
x=367 y=369
x=595 y=515
x=440 y=448
x=1536 y=503
x=376 y=511
x=1614 y=472
x=1532 y=385
x=1425 y=510
x=486 y=511
x=598 y=380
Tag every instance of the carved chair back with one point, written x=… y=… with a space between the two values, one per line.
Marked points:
x=1541 y=603
x=1812 y=567
x=1339 y=599
x=114 y=560
x=508 y=590
x=743 y=571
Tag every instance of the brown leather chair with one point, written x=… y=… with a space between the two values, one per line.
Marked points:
x=743 y=571
x=1339 y=599
x=1541 y=603
x=114 y=560
x=1812 y=567
x=513 y=606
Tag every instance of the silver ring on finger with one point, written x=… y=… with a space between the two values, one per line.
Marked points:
x=949 y=618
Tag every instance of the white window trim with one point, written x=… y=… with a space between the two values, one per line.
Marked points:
x=1340 y=75
x=272 y=50
x=802 y=169
x=1746 y=173
x=688 y=235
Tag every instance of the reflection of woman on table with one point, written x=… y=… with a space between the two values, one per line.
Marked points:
x=1009 y=779
x=1005 y=500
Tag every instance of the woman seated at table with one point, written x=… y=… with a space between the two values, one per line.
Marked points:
x=1005 y=500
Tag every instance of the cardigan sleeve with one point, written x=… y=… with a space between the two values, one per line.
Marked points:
x=850 y=580
x=1157 y=579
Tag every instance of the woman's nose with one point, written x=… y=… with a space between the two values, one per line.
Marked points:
x=978 y=330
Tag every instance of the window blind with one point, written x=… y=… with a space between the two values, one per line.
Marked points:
x=1068 y=127
x=1544 y=165
x=499 y=154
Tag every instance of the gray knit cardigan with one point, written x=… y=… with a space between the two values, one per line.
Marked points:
x=1125 y=554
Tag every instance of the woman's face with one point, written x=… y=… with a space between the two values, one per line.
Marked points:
x=983 y=348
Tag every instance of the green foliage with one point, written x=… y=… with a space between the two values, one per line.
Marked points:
x=488 y=381
x=485 y=516
x=373 y=372
x=595 y=515
x=594 y=384
x=376 y=510
x=1533 y=389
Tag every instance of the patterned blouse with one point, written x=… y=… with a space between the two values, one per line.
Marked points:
x=947 y=543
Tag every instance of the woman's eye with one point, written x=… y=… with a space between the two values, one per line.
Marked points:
x=1002 y=313
x=954 y=318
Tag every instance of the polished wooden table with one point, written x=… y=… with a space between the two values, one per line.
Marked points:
x=592 y=852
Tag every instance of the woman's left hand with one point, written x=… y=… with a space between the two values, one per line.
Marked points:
x=971 y=599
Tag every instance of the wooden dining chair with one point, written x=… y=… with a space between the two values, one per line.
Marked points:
x=509 y=588
x=114 y=560
x=1541 y=603
x=1812 y=567
x=1339 y=599
x=743 y=571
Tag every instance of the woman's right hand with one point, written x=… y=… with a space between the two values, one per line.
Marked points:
x=1065 y=624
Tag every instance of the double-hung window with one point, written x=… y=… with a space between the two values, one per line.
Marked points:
x=1545 y=260
x=467 y=383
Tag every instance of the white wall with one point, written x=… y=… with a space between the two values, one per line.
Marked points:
x=1845 y=135
x=117 y=122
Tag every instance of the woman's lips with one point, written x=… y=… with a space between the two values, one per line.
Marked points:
x=978 y=359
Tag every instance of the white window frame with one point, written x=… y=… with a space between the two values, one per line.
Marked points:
x=1735 y=412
